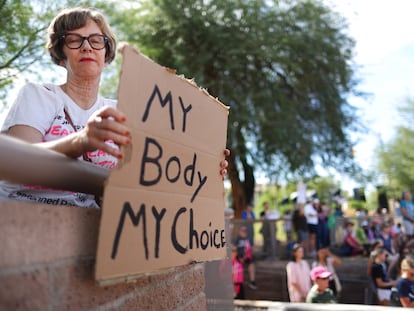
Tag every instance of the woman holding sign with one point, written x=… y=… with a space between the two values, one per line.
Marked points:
x=72 y=118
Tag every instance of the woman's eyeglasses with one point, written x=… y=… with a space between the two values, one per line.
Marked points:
x=74 y=41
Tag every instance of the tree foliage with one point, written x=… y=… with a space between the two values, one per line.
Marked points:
x=396 y=158
x=20 y=40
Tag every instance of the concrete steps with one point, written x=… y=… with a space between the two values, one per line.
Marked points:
x=271 y=280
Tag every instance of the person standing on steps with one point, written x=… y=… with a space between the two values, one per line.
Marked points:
x=298 y=275
x=245 y=255
x=311 y=214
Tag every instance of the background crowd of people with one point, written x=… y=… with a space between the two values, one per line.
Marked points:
x=318 y=238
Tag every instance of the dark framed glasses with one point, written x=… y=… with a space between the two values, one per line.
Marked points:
x=74 y=41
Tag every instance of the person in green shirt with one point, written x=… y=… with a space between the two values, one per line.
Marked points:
x=364 y=236
x=320 y=291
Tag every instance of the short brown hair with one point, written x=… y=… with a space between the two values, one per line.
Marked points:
x=74 y=18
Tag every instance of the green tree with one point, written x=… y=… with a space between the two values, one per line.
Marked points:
x=284 y=68
x=396 y=158
x=20 y=44
x=324 y=187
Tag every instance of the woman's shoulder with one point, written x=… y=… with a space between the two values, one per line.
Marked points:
x=293 y=266
x=305 y=263
x=401 y=281
x=34 y=90
x=290 y=264
x=35 y=105
x=47 y=87
x=42 y=94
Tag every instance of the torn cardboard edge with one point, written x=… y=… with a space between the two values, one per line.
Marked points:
x=134 y=277
x=123 y=46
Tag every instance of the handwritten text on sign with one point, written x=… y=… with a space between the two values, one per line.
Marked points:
x=164 y=206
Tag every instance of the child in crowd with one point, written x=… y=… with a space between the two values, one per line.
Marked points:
x=379 y=276
x=238 y=274
x=405 y=284
x=245 y=255
x=320 y=291
x=329 y=261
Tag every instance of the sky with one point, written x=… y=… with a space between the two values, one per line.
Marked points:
x=384 y=34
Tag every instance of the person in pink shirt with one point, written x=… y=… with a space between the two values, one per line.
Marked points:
x=350 y=245
x=237 y=274
x=298 y=275
x=245 y=255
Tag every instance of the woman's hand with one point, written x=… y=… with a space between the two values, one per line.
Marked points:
x=106 y=124
x=224 y=164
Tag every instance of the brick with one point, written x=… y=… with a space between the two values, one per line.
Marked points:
x=163 y=275
x=47 y=263
x=162 y=296
x=170 y=293
x=74 y=287
x=198 y=304
x=43 y=233
x=24 y=291
x=193 y=282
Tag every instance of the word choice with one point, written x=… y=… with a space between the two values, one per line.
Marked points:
x=195 y=239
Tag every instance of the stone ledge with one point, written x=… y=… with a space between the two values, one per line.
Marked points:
x=38 y=233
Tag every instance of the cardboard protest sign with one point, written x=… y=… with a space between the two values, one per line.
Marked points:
x=163 y=205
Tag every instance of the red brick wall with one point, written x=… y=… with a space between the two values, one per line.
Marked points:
x=47 y=256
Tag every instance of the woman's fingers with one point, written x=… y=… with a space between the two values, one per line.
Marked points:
x=109 y=129
x=224 y=164
x=111 y=112
x=106 y=125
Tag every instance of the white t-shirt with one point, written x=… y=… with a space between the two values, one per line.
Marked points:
x=42 y=107
x=311 y=214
